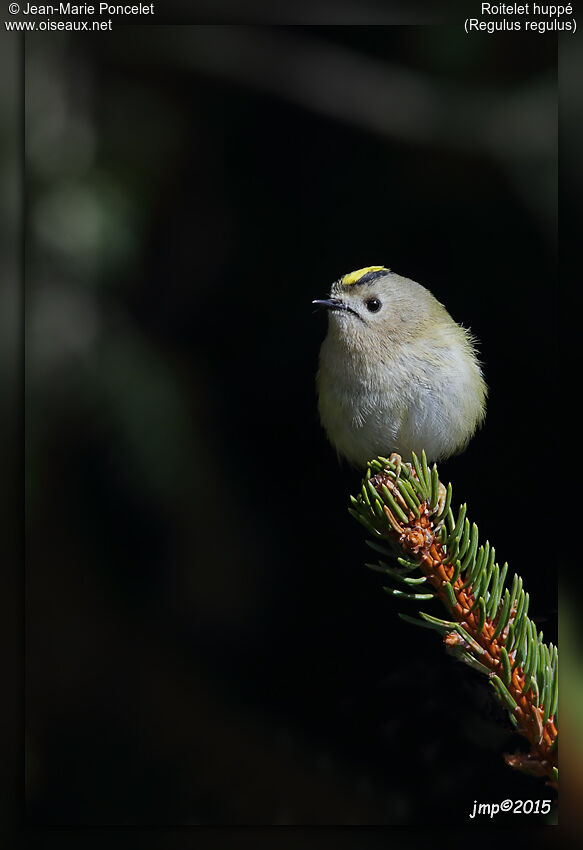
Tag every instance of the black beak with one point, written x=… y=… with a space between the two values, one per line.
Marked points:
x=334 y=304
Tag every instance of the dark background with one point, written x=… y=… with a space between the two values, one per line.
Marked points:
x=203 y=643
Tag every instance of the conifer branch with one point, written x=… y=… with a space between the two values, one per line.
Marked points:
x=434 y=553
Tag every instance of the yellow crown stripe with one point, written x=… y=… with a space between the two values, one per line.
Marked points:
x=354 y=277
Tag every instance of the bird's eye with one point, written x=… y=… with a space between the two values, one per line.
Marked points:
x=373 y=305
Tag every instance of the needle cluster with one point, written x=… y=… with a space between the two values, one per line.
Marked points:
x=434 y=553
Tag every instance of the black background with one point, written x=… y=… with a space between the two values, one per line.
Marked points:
x=203 y=644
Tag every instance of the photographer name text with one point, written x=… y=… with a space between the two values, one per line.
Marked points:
x=85 y=9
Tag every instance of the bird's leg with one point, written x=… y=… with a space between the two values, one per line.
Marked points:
x=441 y=502
x=398 y=461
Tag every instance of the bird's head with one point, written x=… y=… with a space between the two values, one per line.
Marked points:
x=374 y=305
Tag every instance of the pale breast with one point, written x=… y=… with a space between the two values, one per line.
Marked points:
x=409 y=405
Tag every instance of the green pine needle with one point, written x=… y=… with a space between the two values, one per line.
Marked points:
x=415 y=490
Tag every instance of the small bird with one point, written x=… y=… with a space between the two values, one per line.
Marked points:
x=396 y=374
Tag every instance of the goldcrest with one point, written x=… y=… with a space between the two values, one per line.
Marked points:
x=396 y=373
